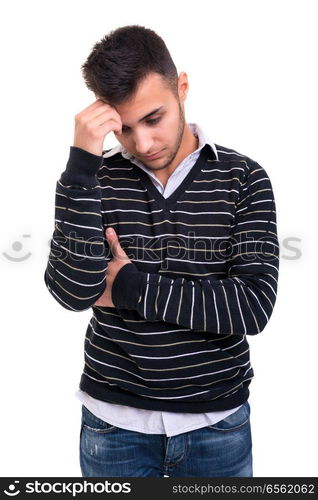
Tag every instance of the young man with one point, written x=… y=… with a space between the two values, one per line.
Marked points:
x=189 y=271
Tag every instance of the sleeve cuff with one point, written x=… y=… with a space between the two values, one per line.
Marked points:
x=81 y=167
x=127 y=286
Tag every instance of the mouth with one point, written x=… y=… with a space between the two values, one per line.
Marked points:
x=153 y=156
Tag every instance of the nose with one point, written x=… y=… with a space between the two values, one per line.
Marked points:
x=143 y=143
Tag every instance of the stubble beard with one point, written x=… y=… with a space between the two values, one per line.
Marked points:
x=174 y=153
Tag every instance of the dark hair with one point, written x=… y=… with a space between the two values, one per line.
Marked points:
x=123 y=58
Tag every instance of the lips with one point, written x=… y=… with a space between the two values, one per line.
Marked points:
x=155 y=155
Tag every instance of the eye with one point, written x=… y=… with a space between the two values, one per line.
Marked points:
x=153 y=121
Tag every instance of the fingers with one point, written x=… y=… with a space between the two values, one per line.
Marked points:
x=115 y=245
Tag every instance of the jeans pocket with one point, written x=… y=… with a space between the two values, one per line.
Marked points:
x=93 y=424
x=234 y=421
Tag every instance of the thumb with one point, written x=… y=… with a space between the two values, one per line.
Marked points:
x=113 y=241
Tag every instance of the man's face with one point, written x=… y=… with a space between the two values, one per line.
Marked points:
x=162 y=131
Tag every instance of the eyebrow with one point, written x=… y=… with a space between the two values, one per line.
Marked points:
x=147 y=115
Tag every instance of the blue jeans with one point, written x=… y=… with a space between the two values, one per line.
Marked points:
x=223 y=449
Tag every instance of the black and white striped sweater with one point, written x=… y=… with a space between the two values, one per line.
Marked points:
x=203 y=276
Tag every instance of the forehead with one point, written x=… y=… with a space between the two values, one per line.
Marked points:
x=151 y=94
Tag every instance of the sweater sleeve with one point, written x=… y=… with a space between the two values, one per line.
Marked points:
x=75 y=272
x=239 y=304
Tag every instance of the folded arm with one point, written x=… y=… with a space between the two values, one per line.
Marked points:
x=240 y=304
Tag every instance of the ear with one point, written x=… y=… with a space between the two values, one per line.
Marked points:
x=183 y=85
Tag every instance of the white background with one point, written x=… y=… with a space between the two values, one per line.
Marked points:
x=253 y=84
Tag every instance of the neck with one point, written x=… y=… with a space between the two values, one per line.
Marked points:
x=188 y=144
